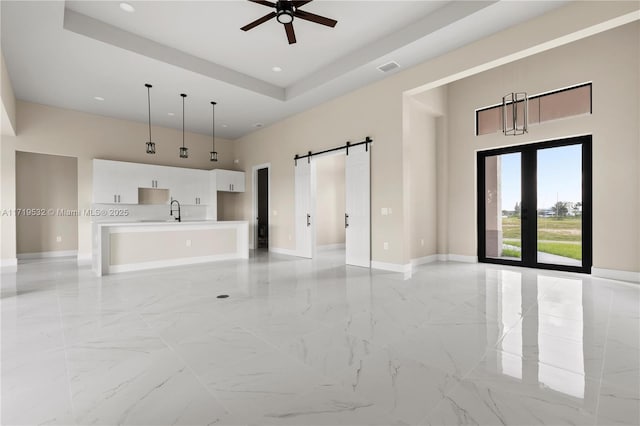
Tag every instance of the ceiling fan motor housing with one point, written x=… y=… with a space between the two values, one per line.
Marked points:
x=284 y=10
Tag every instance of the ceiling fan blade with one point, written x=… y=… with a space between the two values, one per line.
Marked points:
x=257 y=22
x=315 y=18
x=291 y=34
x=264 y=3
x=298 y=4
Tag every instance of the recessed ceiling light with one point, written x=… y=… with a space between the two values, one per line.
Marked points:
x=98 y=98
x=258 y=125
x=171 y=114
x=276 y=69
x=127 y=7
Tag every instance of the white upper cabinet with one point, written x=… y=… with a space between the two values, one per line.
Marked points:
x=113 y=182
x=117 y=182
x=152 y=176
x=189 y=186
x=229 y=180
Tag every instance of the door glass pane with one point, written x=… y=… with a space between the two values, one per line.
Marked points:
x=502 y=206
x=560 y=205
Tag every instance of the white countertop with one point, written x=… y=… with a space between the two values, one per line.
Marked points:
x=170 y=223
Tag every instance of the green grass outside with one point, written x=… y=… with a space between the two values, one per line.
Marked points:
x=510 y=253
x=549 y=228
x=574 y=251
x=566 y=249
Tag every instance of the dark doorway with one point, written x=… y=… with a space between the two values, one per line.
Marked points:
x=534 y=205
x=263 y=208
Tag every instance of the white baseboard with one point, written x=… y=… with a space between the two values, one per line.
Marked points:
x=331 y=247
x=392 y=267
x=114 y=269
x=84 y=259
x=615 y=274
x=287 y=252
x=9 y=265
x=48 y=254
x=461 y=258
x=423 y=261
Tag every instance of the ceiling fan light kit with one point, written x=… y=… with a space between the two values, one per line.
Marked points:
x=285 y=13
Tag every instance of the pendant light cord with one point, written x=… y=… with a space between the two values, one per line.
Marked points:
x=183 y=96
x=149 y=103
x=213 y=126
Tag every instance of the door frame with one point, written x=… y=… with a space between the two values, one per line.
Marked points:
x=254 y=201
x=529 y=198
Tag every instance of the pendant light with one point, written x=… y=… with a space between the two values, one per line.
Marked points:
x=184 y=151
x=515 y=113
x=214 y=154
x=151 y=147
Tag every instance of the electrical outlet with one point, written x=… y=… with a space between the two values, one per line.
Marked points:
x=422 y=242
x=275 y=212
x=386 y=245
x=188 y=242
x=389 y=210
x=384 y=211
x=289 y=237
x=58 y=239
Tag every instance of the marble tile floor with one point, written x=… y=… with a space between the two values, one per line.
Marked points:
x=313 y=342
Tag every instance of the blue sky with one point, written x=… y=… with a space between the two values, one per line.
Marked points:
x=559 y=175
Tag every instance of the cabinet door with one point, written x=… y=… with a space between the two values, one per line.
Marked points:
x=179 y=186
x=115 y=182
x=223 y=180
x=104 y=186
x=128 y=177
x=201 y=183
x=237 y=181
x=152 y=176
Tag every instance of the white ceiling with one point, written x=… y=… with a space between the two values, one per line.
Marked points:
x=197 y=48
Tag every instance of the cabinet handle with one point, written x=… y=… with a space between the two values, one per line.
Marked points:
x=118 y=198
x=346 y=220
x=115 y=198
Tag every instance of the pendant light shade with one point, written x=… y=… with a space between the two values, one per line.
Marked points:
x=515 y=113
x=184 y=151
x=214 y=154
x=151 y=146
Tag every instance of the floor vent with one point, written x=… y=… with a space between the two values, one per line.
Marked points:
x=389 y=66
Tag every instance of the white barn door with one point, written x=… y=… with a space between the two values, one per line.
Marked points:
x=303 y=220
x=358 y=207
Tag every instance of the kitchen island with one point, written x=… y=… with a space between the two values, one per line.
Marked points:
x=133 y=246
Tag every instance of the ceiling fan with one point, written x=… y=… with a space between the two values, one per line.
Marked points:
x=285 y=11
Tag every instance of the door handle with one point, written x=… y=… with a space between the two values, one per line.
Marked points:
x=308 y=219
x=346 y=220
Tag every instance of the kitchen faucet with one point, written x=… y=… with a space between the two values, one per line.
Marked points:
x=171 y=210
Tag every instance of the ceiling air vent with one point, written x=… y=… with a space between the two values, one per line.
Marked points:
x=389 y=66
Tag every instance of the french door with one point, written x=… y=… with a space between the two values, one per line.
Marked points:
x=534 y=205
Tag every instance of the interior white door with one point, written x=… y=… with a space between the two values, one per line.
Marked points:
x=358 y=207
x=303 y=219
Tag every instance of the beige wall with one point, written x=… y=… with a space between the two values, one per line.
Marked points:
x=610 y=60
x=376 y=111
x=47 y=182
x=330 y=200
x=420 y=138
x=57 y=131
x=8 y=101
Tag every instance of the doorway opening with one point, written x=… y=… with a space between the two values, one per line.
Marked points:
x=534 y=205
x=356 y=215
x=330 y=206
x=261 y=205
x=47 y=191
